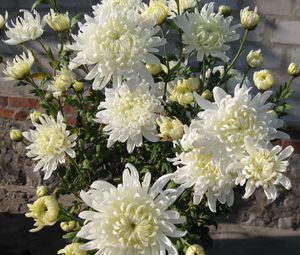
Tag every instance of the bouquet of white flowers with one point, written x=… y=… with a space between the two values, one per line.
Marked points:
x=167 y=129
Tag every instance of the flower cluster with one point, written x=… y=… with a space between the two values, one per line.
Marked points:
x=121 y=92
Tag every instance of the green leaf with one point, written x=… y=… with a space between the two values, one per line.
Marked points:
x=76 y=19
x=37 y=3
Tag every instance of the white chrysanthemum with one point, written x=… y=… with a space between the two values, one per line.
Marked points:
x=108 y=6
x=61 y=82
x=207 y=32
x=230 y=84
x=183 y=5
x=263 y=168
x=50 y=143
x=25 y=29
x=231 y=118
x=206 y=175
x=3 y=19
x=118 y=47
x=132 y=218
x=130 y=112
x=20 y=67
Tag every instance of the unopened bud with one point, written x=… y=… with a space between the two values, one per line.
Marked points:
x=16 y=135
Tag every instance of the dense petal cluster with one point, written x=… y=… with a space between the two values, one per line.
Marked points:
x=216 y=156
x=25 y=29
x=50 y=142
x=19 y=67
x=263 y=167
x=130 y=113
x=207 y=32
x=119 y=45
x=132 y=218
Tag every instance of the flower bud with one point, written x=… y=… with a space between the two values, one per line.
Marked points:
x=16 y=135
x=68 y=226
x=78 y=86
x=170 y=129
x=206 y=94
x=20 y=67
x=293 y=70
x=263 y=79
x=195 y=249
x=72 y=249
x=34 y=116
x=249 y=19
x=42 y=191
x=49 y=96
x=255 y=59
x=3 y=20
x=154 y=69
x=224 y=10
x=44 y=211
x=156 y=10
x=59 y=22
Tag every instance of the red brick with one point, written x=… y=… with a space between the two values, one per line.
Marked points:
x=28 y=102
x=21 y=115
x=3 y=100
x=7 y=113
x=68 y=109
x=71 y=121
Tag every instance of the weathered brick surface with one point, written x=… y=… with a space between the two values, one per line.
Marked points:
x=286 y=32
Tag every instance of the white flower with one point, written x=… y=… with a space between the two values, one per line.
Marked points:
x=183 y=5
x=62 y=81
x=255 y=59
x=231 y=118
x=130 y=113
x=3 y=20
x=19 y=67
x=208 y=176
x=119 y=46
x=50 y=143
x=207 y=32
x=109 y=6
x=59 y=22
x=264 y=168
x=157 y=10
x=263 y=79
x=132 y=218
x=72 y=249
x=44 y=211
x=25 y=29
x=249 y=19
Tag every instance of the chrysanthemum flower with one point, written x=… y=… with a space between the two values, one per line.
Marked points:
x=207 y=176
x=25 y=29
x=130 y=112
x=183 y=5
x=263 y=168
x=50 y=143
x=44 y=211
x=119 y=46
x=72 y=249
x=207 y=32
x=132 y=218
x=19 y=67
x=3 y=20
x=62 y=81
x=231 y=118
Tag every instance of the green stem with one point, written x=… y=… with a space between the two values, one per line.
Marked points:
x=239 y=52
x=245 y=75
x=74 y=163
x=167 y=64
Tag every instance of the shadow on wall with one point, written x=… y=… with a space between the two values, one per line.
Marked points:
x=15 y=238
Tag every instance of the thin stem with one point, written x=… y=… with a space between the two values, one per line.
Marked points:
x=245 y=75
x=74 y=163
x=239 y=52
x=167 y=64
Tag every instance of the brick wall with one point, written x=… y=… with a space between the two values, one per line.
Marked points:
x=277 y=35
